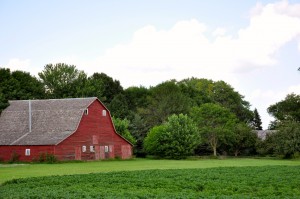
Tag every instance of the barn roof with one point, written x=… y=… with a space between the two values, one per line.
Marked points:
x=262 y=134
x=52 y=120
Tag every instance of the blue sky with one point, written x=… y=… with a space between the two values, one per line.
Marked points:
x=252 y=45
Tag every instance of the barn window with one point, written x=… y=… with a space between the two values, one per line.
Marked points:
x=86 y=111
x=106 y=149
x=83 y=148
x=27 y=152
x=92 y=148
x=103 y=112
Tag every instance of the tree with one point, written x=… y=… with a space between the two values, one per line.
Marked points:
x=202 y=91
x=19 y=85
x=215 y=124
x=287 y=109
x=109 y=87
x=136 y=97
x=62 y=80
x=3 y=102
x=244 y=139
x=119 y=107
x=175 y=139
x=165 y=99
x=139 y=129
x=256 y=120
x=227 y=97
x=122 y=128
x=287 y=139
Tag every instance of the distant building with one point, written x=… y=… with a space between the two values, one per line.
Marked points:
x=70 y=129
x=262 y=134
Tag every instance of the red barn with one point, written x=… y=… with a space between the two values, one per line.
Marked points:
x=70 y=129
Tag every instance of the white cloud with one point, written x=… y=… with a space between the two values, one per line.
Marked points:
x=219 y=32
x=18 y=64
x=185 y=50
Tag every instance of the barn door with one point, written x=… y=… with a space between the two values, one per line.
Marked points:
x=77 y=153
x=97 y=152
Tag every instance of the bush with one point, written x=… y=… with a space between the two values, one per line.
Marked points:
x=176 y=139
x=47 y=158
x=14 y=157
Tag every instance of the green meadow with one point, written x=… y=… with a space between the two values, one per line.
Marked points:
x=146 y=178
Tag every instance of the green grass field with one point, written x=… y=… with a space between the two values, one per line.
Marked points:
x=15 y=171
x=222 y=182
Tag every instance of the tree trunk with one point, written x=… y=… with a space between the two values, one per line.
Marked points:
x=236 y=153
x=215 y=150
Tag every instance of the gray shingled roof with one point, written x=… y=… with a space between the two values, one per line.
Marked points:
x=51 y=121
x=262 y=134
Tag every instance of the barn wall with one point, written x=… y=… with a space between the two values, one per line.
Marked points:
x=6 y=152
x=94 y=130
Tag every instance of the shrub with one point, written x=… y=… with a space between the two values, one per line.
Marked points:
x=176 y=139
x=47 y=158
x=14 y=157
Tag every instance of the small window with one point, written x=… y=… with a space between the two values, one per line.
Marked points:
x=92 y=148
x=27 y=152
x=103 y=112
x=86 y=111
x=106 y=149
x=83 y=148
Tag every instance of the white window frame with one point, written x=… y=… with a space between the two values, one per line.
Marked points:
x=27 y=152
x=92 y=148
x=106 y=149
x=83 y=148
x=86 y=111
x=104 y=113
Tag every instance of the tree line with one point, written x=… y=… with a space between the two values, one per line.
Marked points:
x=173 y=119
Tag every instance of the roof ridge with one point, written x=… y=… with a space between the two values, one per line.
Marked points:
x=78 y=98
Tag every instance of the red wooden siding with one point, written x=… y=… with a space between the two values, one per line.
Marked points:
x=94 y=130
x=35 y=151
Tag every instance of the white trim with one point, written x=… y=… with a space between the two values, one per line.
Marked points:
x=83 y=148
x=27 y=152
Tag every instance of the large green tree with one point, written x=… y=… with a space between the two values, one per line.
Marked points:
x=202 y=91
x=215 y=124
x=175 y=139
x=63 y=80
x=244 y=139
x=165 y=99
x=287 y=109
x=108 y=86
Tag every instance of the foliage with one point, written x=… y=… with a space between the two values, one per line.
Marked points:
x=118 y=107
x=18 y=85
x=230 y=182
x=287 y=139
x=215 y=124
x=109 y=87
x=256 y=123
x=165 y=99
x=202 y=91
x=47 y=158
x=14 y=157
x=176 y=139
x=244 y=139
x=122 y=128
x=62 y=80
x=3 y=102
x=287 y=109
x=139 y=130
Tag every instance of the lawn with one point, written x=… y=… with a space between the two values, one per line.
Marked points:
x=15 y=171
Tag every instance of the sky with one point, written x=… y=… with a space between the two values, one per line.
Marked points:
x=252 y=45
